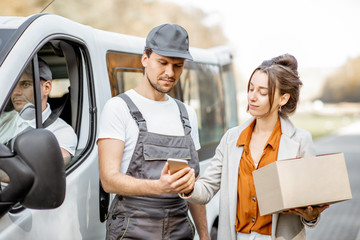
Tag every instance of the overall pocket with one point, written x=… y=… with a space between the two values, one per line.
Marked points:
x=116 y=227
x=155 y=157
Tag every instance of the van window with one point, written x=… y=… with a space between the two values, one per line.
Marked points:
x=125 y=71
x=228 y=81
x=5 y=35
x=202 y=89
x=67 y=98
x=200 y=85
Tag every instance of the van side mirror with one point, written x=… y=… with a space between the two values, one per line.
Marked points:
x=36 y=171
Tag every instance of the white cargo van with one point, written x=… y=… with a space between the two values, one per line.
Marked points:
x=48 y=199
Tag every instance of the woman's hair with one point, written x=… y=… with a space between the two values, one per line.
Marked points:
x=282 y=74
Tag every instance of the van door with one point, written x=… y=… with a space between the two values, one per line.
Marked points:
x=72 y=98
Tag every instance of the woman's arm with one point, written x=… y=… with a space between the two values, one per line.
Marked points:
x=209 y=184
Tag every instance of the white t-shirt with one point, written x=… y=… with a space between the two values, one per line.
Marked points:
x=11 y=124
x=162 y=117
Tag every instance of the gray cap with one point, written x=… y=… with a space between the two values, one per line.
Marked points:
x=169 y=40
x=44 y=70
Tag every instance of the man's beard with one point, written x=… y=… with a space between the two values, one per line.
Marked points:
x=157 y=87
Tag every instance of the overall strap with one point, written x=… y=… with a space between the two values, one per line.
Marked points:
x=184 y=116
x=135 y=113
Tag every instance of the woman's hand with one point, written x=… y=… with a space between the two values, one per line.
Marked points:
x=309 y=213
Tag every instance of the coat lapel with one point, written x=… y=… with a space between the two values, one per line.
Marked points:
x=288 y=148
x=235 y=154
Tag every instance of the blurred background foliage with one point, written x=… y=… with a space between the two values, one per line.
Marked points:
x=344 y=84
x=133 y=17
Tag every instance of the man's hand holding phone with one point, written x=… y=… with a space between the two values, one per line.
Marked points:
x=177 y=177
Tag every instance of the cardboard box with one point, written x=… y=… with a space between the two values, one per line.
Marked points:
x=292 y=183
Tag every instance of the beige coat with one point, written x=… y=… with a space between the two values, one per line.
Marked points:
x=222 y=175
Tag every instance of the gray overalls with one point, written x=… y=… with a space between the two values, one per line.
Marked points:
x=157 y=216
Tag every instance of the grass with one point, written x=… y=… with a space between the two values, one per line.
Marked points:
x=321 y=125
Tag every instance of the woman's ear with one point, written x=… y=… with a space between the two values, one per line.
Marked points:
x=284 y=99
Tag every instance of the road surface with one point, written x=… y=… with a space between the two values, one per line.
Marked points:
x=342 y=220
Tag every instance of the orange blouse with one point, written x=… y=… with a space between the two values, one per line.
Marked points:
x=248 y=216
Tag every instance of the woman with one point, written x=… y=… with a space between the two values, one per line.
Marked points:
x=273 y=93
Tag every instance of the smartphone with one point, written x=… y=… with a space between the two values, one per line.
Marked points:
x=176 y=164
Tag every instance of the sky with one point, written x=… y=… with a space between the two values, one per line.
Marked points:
x=319 y=33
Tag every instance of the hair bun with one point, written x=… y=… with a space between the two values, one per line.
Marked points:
x=286 y=60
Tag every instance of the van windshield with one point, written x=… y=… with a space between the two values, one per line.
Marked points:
x=11 y=29
x=5 y=35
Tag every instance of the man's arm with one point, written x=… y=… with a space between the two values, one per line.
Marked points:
x=198 y=213
x=66 y=155
x=113 y=181
x=4 y=177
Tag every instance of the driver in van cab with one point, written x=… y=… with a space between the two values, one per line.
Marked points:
x=23 y=116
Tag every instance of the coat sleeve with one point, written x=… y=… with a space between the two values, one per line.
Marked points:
x=208 y=185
